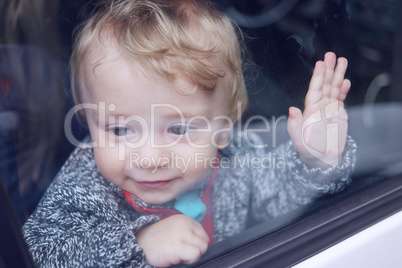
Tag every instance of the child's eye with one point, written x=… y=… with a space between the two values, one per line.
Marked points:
x=120 y=131
x=179 y=129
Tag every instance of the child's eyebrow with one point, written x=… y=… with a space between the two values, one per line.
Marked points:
x=171 y=115
x=200 y=113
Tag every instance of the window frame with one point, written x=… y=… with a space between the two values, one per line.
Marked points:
x=310 y=234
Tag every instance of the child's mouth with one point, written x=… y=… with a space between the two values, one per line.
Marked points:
x=154 y=184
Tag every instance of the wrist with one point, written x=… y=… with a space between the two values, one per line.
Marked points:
x=323 y=163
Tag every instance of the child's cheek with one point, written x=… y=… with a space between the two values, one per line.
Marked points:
x=107 y=161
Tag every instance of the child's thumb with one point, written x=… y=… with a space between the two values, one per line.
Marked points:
x=295 y=122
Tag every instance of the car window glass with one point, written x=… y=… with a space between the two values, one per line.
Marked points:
x=283 y=40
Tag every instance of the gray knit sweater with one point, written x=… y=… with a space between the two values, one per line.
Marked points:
x=83 y=219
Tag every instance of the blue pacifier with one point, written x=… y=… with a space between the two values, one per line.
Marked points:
x=190 y=204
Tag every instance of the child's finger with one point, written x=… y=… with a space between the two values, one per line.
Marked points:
x=200 y=243
x=190 y=253
x=314 y=93
x=200 y=232
x=295 y=122
x=344 y=89
x=329 y=60
x=338 y=78
x=334 y=92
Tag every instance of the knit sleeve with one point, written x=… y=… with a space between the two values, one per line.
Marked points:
x=82 y=222
x=106 y=245
x=288 y=183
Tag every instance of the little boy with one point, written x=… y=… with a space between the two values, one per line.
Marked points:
x=162 y=85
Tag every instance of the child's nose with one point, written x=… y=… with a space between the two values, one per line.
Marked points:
x=151 y=156
x=156 y=158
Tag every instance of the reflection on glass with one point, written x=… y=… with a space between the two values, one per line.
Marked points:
x=31 y=101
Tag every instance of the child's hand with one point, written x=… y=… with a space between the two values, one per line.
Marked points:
x=319 y=134
x=173 y=240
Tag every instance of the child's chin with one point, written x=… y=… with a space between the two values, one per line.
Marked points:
x=157 y=199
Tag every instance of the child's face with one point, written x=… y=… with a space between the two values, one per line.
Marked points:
x=149 y=139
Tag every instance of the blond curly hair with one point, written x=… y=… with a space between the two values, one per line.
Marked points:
x=193 y=39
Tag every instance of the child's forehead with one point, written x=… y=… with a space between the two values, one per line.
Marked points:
x=107 y=50
x=114 y=78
